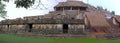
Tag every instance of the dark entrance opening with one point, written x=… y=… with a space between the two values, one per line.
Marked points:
x=8 y=26
x=30 y=27
x=119 y=24
x=65 y=28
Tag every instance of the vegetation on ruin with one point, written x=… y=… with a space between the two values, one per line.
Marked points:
x=5 y=38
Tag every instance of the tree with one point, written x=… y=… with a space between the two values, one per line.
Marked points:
x=22 y=3
x=19 y=3
x=113 y=12
x=2 y=11
x=99 y=7
x=106 y=9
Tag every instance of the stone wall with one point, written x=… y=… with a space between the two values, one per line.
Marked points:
x=12 y=28
x=47 y=28
x=57 y=29
x=76 y=29
x=17 y=28
x=4 y=28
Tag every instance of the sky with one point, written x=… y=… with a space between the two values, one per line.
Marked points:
x=13 y=12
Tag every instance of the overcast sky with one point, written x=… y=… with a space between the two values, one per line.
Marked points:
x=13 y=12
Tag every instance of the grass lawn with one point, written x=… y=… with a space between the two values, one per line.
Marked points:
x=5 y=38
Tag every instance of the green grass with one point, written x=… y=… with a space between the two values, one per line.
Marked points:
x=5 y=38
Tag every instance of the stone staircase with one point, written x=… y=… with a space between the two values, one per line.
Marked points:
x=114 y=31
x=112 y=25
x=97 y=34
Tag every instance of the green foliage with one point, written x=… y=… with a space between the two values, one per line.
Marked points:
x=24 y=3
x=113 y=12
x=99 y=7
x=19 y=3
x=5 y=38
x=2 y=10
x=6 y=0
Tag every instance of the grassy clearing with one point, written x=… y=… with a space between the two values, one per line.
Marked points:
x=5 y=38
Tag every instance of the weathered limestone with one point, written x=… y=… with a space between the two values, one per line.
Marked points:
x=76 y=29
x=4 y=28
x=47 y=28
x=16 y=28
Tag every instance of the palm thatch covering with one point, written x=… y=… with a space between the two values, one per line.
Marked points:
x=71 y=3
x=97 y=20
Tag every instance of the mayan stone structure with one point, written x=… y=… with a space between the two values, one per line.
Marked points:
x=70 y=18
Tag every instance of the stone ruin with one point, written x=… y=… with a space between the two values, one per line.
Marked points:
x=70 y=19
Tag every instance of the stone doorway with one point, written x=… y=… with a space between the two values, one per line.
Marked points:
x=65 y=28
x=30 y=27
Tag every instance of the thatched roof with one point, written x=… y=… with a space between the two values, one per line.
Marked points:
x=97 y=20
x=117 y=18
x=71 y=3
